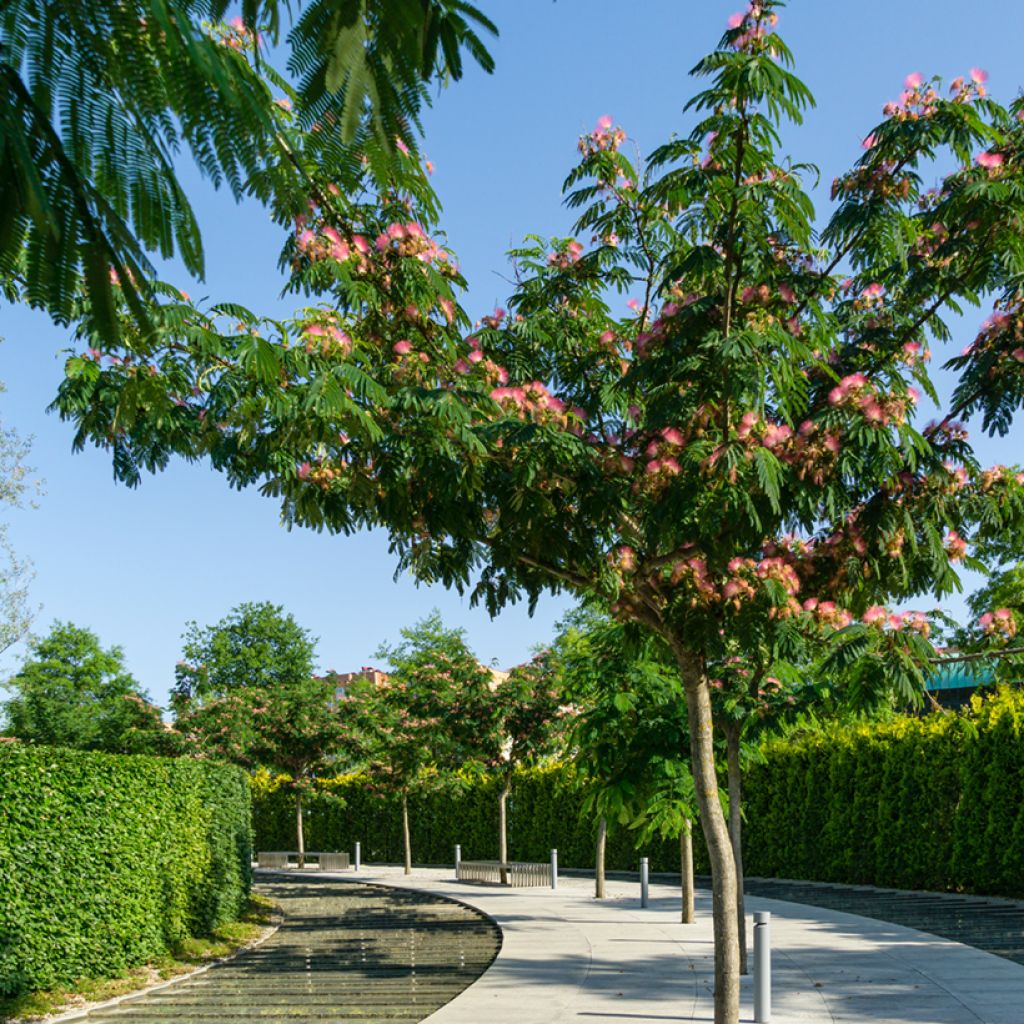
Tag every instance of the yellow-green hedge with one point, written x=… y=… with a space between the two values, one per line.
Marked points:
x=107 y=860
x=918 y=803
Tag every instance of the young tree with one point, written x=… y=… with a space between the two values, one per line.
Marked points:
x=736 y=448
x=433 y=713
x=629 y=737
x=527 y=724
x=70 y=692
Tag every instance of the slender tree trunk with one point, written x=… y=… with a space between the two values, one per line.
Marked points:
x=732 y=747
x=299 y=836
x=602 y=837
x=686 y=871
x=405 y=834
x=503 y=828
x=716 y=834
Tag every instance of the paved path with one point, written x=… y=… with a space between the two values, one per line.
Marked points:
x=567 y=957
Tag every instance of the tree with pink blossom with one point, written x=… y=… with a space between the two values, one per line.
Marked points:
x=699 y=408
x=432 y=714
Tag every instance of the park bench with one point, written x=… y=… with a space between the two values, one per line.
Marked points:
x=517 y=872
x=281 y=859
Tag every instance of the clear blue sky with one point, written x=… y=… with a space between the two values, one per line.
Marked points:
x=136 y=565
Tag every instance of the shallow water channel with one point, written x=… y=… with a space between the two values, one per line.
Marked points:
x=344 y=952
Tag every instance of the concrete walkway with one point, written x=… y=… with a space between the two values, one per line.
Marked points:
x=568 y=957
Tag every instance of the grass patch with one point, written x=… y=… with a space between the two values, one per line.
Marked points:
x=186 y=956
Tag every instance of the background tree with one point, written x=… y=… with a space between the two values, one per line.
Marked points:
x=433 y=713
x=15 y=573
x=70 y=692
x=246 y=693
x=739 y=447
x=256 y=645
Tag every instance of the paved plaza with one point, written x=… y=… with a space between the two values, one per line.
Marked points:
x=568 y=957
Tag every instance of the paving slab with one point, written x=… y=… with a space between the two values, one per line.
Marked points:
x=568 y=957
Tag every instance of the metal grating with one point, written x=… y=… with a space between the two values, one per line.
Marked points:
x=344 y=953
x=994 y=925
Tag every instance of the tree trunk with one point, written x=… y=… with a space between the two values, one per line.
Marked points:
x=503 y=829
x=300 y=839
x=686 y=871
x=732 y=746
x=716 y=834
x=602 y=836
x=405 y=834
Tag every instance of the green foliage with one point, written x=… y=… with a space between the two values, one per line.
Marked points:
x=916 y=803
x=95 y=101
x=435 y=710
x=107 y=861
x=72 y=693
x=256 y=645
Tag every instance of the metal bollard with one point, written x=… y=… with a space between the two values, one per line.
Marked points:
x=644 y=883
x=458 y=858
x=554 y=869
x=357 y=856
x=762 y=967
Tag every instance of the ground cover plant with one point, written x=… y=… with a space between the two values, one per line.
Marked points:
x=702 y=414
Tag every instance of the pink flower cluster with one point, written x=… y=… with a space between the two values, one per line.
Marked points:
x=916 y=622
x=603 y=139
x=325 y=336
x=827 y=613
x=1002 y=330
x=956 y=546
x=1001 y=621
x=535 y=402
x=856 y=392
x=566 y=256
x=754 y=25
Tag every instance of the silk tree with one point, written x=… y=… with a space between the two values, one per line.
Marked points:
x=700 y=410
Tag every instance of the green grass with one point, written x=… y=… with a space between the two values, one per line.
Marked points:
x=186 y=956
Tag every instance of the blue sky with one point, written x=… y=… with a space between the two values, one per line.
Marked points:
x=135 y=566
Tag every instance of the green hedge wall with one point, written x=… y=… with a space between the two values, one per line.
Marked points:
x=107 y=860
x=918 y=803
x=543 y=813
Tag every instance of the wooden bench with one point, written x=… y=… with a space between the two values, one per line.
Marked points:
x=281 y=859
x=521 y=873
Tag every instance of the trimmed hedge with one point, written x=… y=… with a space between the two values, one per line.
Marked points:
x=107 y=860
x=543 y=812
x=917 y=803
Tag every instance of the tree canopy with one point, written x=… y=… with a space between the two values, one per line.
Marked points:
x=70 y=692
x=703 y=413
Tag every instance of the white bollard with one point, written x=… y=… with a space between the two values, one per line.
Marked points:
x=554 y=869
x=458 y=858
x=762 y=967
x=644 y=883
x=357 y=856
